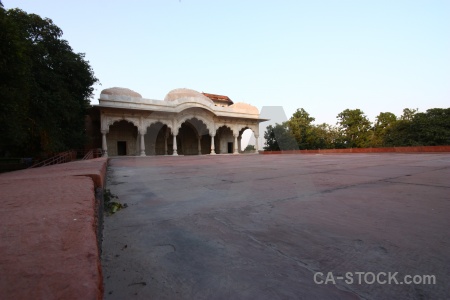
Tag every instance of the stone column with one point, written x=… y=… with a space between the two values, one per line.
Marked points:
x=199 y=145
x=235 y=145
x=213 y=152
x=165 y=143
x=175 y=144
x=256 y=143
x=104 y=144
x=142 y=144
x=239 y=144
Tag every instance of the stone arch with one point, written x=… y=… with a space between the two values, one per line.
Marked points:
x=255 y=130
x=110 y=120
x=158 y=138
x=224 y=140
x=241 y=128
x=187 y=139
x=227 y=125
x=122 y=137
x=194 y=103
x=193 y=136
x=148 y=123
x=183 y=118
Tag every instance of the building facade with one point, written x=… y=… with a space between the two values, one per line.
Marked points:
x=186 y=122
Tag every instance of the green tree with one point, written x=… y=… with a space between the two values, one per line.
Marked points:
x=400 y=134
x=354 y=127
x=279 y=138
x=301 y=128
x=432 y=128
x=408 y=114
x=323 y=136
x=15 y=77
x=384 y=121
x=250 y=148
x=420 y=129
x=271 y=143
x=47 y=88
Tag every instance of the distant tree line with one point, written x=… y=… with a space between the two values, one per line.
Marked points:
x=44 y=87
x=354 y=130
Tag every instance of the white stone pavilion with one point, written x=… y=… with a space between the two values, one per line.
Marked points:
x=186 y=122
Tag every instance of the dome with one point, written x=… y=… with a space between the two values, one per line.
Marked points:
x=244 y=106
x=117 y=91
x=184 y=93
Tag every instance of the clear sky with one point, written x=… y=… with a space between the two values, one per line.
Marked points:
x=323 y=56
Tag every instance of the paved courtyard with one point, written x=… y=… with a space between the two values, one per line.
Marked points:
x=262 y=226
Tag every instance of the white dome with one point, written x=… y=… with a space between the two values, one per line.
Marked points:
x=117 y=91
x=184 y=93
x=244 y=106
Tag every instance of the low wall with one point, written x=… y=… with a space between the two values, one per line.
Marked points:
x=48 y=232
x=420 y=149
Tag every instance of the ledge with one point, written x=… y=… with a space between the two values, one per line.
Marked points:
x=49 y=221
x=417 y=149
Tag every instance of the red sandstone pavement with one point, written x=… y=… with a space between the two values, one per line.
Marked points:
x=48 y=242
x=261 y=226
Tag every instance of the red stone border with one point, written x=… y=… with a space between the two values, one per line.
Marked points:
x=48 y=232
x=418 y=149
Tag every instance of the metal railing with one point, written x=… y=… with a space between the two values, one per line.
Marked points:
x=93 y=153
x=59 y=158
x=69 y=156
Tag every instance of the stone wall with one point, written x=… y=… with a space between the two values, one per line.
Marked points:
x=49 y=235
x=416 y=149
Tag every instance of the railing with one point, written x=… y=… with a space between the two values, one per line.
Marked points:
x=69 y=156
x=93 y=153
x=59 y=158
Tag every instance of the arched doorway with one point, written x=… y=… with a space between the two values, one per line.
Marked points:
x=193 y=138
x=224 y=140
x=123 y=139
x=158 y=140
x=246 y=139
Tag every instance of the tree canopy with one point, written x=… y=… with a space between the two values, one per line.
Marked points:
x=431 y=128
x=354 y=130
x=354 y=126
x=279 y=138
x=45 y=87
x=384 y=121
x=300 y=127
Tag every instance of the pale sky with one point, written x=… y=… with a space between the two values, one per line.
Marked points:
x=323 y=56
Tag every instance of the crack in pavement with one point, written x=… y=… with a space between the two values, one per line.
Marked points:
x=419 y=184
